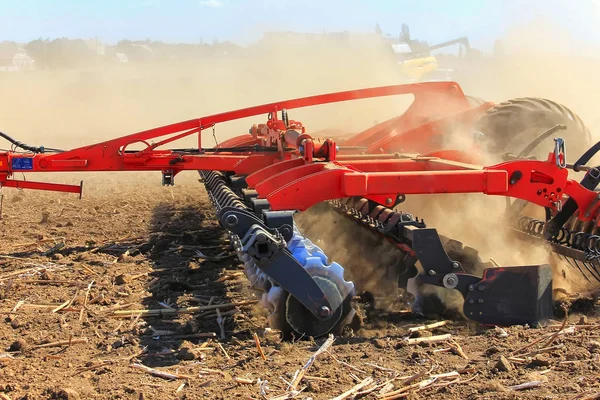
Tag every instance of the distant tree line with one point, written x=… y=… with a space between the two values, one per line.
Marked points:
x=59 y=53
x=74 y=53
x=63 y=53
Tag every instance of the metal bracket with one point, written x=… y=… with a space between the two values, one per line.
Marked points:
x=267 y=247
x=260 y=244
x=283 y=221
x=237 y=182
x=168 y=178
x=428 y=246
x=241 y=221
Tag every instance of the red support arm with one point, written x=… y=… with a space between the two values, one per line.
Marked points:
x=542 y=183
x=54 y=187
x=112 y=155
x=381 y=183
x=291 y=178
x=141 y=161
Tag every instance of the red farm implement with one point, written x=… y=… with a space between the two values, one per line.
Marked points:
x=259 y=181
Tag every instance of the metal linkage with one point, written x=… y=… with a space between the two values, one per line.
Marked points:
x=304 y=293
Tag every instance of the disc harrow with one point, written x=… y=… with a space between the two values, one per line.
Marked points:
x=259 y=182
x=285 y=312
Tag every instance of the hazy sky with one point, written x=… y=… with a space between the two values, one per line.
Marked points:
x=243 y=21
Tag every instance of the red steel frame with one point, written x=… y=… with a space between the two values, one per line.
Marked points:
x=298 y=171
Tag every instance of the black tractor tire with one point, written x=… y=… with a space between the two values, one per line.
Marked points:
x=511 y=125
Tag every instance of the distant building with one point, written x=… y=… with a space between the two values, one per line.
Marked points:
x=121 y=58
x=282 y=36
x=14 y=58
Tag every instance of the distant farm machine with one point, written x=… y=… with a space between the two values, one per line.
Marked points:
x=418 y=64
x=260 y=180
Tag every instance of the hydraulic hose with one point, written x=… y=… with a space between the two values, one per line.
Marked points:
x=33 y=149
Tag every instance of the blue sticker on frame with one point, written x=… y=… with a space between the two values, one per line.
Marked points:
x=22 y=163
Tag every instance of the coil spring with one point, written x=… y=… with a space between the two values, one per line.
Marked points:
x=585 y=242
x=366 y=219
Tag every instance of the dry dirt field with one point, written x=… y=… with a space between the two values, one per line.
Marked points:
x=74 y=274
x=131 y=245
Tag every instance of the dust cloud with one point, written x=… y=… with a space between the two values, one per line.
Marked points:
x=71 y=108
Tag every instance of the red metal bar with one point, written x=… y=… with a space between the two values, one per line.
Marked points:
x=406 y=164
x=55 y=187
x=254 y=163
x=539 y=182
x=176 y=137
x=427 y=105
x=392 y=90
x=337 y=183
x=472 y=157
x=149 y=161
x=107 y=156
x=307 y=191
x=425 y=182
x=354 y=157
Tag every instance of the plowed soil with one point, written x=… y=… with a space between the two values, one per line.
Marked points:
x=76 y=275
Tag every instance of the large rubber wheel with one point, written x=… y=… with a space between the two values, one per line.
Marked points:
x=511 y=125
